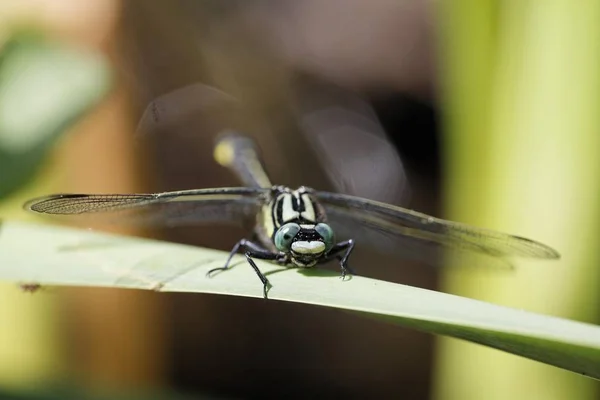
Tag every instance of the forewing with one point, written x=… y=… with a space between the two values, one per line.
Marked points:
x=419 y=236
x=190 y=207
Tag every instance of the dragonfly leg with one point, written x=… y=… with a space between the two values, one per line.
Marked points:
x=248 y=246
x=261 y=276
x=336 y=251
x=252 y=250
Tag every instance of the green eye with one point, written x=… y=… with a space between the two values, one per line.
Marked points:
x=327 y=234
x=285 y=235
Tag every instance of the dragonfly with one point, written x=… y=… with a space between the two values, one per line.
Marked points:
x=295 y=228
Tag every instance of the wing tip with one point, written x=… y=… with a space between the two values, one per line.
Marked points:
x=541 y=250
x=551 y=253
x=35 y=204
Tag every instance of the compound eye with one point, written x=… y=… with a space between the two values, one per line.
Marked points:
x=327 y=234
x=285 y=236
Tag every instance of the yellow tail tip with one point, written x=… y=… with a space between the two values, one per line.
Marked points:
x=224 y=153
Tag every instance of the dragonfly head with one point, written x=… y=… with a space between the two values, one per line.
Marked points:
x=305 y=243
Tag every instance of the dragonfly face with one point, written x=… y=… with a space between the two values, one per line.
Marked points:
x=295 y=223
x=305 y=243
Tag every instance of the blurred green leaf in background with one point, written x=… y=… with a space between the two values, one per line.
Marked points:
x=44 y=88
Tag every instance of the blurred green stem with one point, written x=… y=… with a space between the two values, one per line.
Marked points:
x=522 y=144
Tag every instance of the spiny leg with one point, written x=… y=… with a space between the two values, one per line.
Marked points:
x=346 y=247
x=251 y=250
x=254 y=249
x=261 y=276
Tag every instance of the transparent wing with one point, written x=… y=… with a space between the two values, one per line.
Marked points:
x=350 y=142
x=222 y=205
x=167 y=111
x=419 y=236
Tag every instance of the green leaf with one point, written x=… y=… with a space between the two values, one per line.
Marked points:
x=44 y=88
x=67 y=256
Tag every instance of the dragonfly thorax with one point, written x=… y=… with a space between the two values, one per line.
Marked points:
x=294 y=206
